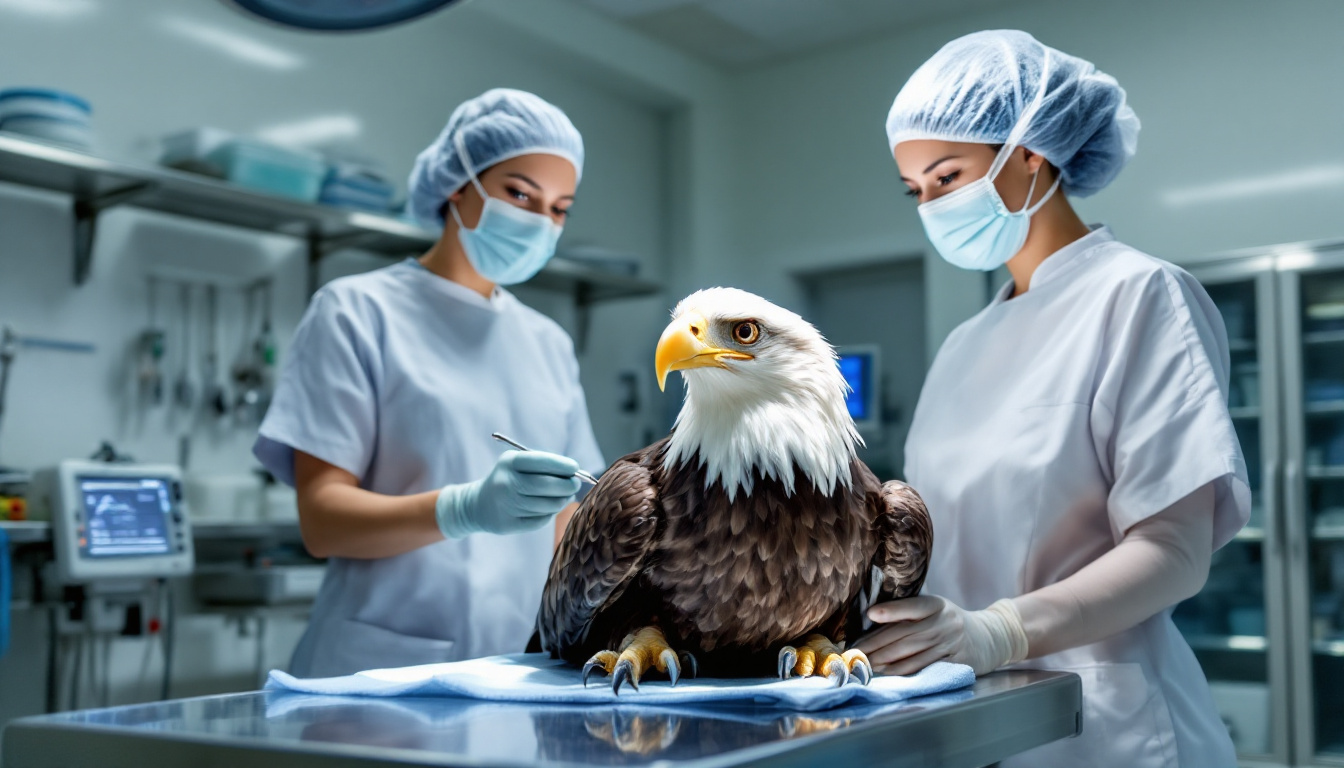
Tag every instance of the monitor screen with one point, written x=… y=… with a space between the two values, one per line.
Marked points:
x=124 y=517
x=856 y=367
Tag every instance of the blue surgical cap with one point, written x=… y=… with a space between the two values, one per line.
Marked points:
x=976 y=87
x=497 y=125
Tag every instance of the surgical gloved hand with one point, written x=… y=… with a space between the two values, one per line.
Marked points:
x=522 y=493
x=921 y=630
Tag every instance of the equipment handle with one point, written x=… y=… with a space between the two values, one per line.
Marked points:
x=1292 y=495
x=1275 y=535
x=5 y=588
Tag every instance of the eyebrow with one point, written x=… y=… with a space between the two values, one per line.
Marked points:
x=935 y=163
x=535 y=185
x=516 y=175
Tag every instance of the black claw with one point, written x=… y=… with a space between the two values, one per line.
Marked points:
x=688 y=662
x=838 y=673
x=588 y=671
x=669 y=659
x=788 y=657
x=862 y=672
x=625 y=672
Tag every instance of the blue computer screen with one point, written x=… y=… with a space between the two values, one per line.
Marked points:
x=854 y=367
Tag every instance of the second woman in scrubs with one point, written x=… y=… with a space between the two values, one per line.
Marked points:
x=1072 y=440
x=439 y=541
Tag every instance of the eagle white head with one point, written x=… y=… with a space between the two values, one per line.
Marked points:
x=763 y=391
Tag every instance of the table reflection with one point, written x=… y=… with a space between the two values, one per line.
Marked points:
x=609 y=735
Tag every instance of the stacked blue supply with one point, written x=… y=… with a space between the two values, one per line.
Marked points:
x=50 y=115
x=353 y=185
x=276 y=170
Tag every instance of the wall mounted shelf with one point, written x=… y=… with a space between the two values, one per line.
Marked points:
x=96 y=185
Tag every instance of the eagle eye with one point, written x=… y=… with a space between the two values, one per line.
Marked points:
x=747 y=332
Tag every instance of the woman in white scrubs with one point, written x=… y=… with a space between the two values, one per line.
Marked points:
x=438 y=539
x=1072 y=440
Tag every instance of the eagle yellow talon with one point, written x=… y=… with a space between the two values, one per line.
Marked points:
x=819 y=653
x=667 y=662
x=859 y=666
x=641 y=651
x=603 y=660
x=625 y=672
x=836 y=669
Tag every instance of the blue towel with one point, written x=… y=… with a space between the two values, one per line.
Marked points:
x=535 y=678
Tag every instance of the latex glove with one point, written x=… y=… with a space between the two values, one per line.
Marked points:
x=921 y=630
x=522 y=493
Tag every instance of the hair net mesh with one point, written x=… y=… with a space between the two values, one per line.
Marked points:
x=495 y=126
x=975 y=88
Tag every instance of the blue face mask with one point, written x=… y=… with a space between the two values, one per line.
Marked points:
x=973 y=229
x=509 y=245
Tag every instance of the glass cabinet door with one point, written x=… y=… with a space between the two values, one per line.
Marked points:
x=1236 y=633
x=1316 y=428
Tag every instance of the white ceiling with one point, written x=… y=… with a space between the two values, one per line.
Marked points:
x=737 y=33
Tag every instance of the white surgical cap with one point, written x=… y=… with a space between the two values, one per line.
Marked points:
x=497 y=125
x=976 y=87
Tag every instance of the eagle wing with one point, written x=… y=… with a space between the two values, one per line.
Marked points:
x=602 y=551
x=905 y=540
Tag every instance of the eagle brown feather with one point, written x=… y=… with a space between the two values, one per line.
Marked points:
x=730 y=581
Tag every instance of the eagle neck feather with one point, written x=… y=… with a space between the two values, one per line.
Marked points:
x=732 y=436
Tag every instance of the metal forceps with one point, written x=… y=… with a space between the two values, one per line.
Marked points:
x=584 y=476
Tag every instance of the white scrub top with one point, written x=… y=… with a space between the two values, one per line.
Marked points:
x=399 y=377
x=1048 y=426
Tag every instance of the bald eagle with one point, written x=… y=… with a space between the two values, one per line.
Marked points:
x=750 y=540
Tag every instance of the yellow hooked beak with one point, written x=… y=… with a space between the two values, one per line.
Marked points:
x=683 y=346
